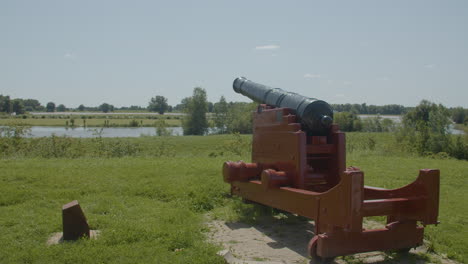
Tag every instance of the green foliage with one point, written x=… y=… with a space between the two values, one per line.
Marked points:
x=459 y=115
x=17 y=106
x=12 y=138
x=5 y=104
x=105 y=108
x=459 y=148
x=366 y=142
x=378 y=124
x=182 y=107
x=347 y=121
x=158 y=104
x=161 y=128
x=195 y=122
x=81 y=107
x=50 y=107
x=239 y=117
x=210 y=106
x=133 y=123
x=392 y=109
x=425 y=129
x=61 y=108
x=238 y=145
x=220 y=115
x=32 y=105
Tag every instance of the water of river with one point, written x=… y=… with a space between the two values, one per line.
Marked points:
x=397 y=119
x=44 y=131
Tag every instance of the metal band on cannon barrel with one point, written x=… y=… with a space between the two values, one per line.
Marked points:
x=316 y=115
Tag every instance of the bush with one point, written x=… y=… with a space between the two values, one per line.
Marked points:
x=195 y=123
x=348 y=121
x=239 y=118
x=459 y=115
x=378 y=124
x=14 y=144
x=161 y=128
x=133 y=123
x=426 y=131
x=459 y=149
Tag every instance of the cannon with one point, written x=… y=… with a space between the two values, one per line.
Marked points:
x=315 y=115
x=299 y=166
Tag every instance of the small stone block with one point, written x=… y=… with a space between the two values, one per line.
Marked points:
x=75 y=225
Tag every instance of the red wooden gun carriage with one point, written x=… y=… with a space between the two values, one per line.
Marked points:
x=299 y=165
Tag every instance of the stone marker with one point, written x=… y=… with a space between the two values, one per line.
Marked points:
x=75 y=225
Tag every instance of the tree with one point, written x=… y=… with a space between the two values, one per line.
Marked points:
x=195 y=122
x=81 y=107
x=158 y=104
x=5 y=104
x=426 y=128
x=105 y=107
x=17 y=106
x=32 y=105
x=220 y=115
x=459 y=115
x=210 y=107
x=50 y=107
x=61 y=108
x=239 y=117
x=182 y=107
x=348 y=121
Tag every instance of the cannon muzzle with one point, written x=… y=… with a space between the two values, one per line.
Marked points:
x=316 y=116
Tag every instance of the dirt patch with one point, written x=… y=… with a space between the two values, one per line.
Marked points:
x=284 y=240
x=57 y=238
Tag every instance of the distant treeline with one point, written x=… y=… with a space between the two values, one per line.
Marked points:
x=364 y=109
x=458 y=115
x=159 y=104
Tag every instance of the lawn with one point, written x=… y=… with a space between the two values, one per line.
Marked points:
x=151 y=206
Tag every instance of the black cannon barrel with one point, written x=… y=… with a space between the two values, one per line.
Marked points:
x=316 y=115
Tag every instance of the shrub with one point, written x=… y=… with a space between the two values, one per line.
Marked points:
x=459 y=149
x=239 y=118
x=348 y=121
x=161 y=128
x=195 y=122
x=426 y=130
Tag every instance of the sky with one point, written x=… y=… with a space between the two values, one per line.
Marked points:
x=125 y=52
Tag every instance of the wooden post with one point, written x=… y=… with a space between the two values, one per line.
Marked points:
x=75 y=225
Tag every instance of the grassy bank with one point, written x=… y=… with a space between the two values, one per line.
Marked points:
x=150 y=203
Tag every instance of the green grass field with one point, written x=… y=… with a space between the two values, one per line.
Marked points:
x=150 y=207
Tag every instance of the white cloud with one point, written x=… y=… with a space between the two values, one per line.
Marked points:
x=339 y=95
x=69 y=56
x=385 y=78
x=267 y=47
x=430 y=66
x=312 y=76
x=347 y=83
